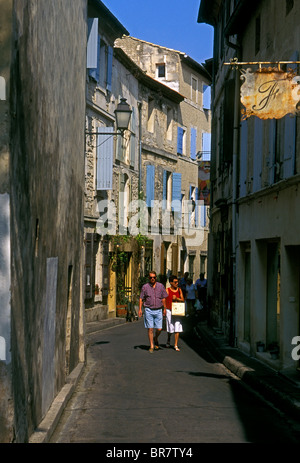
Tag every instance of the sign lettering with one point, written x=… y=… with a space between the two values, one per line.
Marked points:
x=269 y=94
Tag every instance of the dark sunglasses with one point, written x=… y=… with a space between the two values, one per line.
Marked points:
x=152 y=278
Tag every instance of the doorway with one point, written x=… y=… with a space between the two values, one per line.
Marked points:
x=273 y=294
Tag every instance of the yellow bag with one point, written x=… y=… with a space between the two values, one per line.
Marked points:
x=178 y=309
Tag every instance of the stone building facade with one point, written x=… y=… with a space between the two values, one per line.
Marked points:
x=182 y=132
x=41 y=200
x=254 y=253
x=107 y=83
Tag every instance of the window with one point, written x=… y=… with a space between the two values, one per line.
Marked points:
x=99 y=56
x=92 y=43
x=105 y=159
x=150 y=122
x=169 y=124
x=194 y=89
x=124 y=200
x=181 y=140
x=206 y=96
x=124 y=146
x=150 y=184
x=176 y=192
x=191 y=205
x=206 y=146
x=193 y=143
x=203 y=212
x=161 y=70
x=167 y=189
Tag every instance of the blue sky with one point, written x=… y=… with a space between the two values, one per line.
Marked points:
x=170 y=23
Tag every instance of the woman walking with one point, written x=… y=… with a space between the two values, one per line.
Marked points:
x=174 y=324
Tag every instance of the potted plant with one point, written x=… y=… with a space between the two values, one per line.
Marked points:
x=122 y=304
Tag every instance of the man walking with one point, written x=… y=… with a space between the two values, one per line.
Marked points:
x=153 y=297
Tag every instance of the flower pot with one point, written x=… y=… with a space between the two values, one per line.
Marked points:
x=121 y=311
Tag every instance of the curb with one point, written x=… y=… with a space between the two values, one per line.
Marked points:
x=47 y=426
x=93 y=327
x=258 y=377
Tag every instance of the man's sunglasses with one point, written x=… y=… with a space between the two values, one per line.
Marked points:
x=152 y=278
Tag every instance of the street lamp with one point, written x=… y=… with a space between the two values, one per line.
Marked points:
x=123 y=115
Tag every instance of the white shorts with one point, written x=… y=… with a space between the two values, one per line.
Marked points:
x=174 y=324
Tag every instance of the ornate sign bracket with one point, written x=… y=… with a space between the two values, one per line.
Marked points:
x=234 y=63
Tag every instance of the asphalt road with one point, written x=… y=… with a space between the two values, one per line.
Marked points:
x=127 y=395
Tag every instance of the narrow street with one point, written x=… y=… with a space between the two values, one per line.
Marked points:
x=127 y=395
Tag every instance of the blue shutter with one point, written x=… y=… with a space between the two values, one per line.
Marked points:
x=258 y=152
x=95 y=73
x=289 y=146
x=193 y=143
x=165 y=184
x=109 y=68
x=180 y=140
x=105 y=149
x=190 y=199
x=272 y=150
x=196 y=208
x=206 y=97
x=150 y=184
x=176 y=192
x=206 y=146
x=289 y=154
x=203 y=216
x=98 y=63
x=92 y=43
x=243 y=158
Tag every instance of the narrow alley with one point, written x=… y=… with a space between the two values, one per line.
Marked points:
x=127 y=395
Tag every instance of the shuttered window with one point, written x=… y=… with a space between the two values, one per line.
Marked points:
x=206 y=97
x=95 y=72
x=109 y=68
x=272 y=150
x=92 y=43
x=99 y=56
x=193 y=142
x=196 y=208
x=206 y=146
x=228 y=120
x=150 y=184
x=180 y=133
x=289 y=154
x=176 y=192
x=105 y=147
x=165 y=191
x=243 y=158
x=258 y=153
x=203 y=216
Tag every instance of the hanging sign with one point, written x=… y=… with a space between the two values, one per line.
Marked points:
x=269 y=93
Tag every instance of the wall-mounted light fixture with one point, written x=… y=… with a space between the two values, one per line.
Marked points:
x=123 y=114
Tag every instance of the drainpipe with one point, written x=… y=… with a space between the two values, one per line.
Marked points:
x=236 y=129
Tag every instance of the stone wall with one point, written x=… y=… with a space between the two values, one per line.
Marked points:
x=47 y=110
